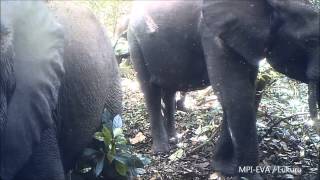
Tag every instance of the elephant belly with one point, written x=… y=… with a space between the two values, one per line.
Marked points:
x=176 y=65
x=289 y=60
x=170 y=44
x=180 y=80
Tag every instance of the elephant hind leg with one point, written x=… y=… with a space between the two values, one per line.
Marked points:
x=180 y=103
x=168 y=98
x=152 y=95
x=45 y=161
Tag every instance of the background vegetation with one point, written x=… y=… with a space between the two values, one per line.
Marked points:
x=108 y=12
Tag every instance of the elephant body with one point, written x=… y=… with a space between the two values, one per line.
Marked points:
x=187 y=45
x=91 y=73
x=65 y=74
x=153 y=50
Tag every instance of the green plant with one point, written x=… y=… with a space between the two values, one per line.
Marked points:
x=110 y=152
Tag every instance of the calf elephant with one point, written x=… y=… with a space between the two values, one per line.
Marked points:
x=187 y=45
x=58 y=73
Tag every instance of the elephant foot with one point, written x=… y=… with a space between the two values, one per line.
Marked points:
x=173 y=136
x=160 y=148
x=160 y=144
x=227 y=167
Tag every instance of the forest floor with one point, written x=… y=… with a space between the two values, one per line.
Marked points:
x=287 y=142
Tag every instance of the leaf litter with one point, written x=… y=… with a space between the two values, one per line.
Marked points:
x=282 y=145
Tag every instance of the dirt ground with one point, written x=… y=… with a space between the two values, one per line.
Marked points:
x=283 y=143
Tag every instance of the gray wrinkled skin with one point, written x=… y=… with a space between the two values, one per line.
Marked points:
x=91 y=80
x=7 y=81
x=62 y=86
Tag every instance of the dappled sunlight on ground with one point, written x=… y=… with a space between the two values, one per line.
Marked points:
x=285 y=135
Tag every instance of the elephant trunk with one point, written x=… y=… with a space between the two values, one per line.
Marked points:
x=313 y=92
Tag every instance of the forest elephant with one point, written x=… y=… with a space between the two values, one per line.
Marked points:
x=188 y=45
x=58 y=74
x=121 y=32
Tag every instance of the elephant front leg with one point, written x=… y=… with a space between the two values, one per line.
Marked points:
x=152 y=95
x=234 y=80
x=224 y=159
x=45 y=161
x=239 y=108
x=169 y=110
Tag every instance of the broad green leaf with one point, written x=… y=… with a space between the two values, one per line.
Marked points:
x=111 y=153
x=98 y=136
x=121 y=168
x=120 y=140
x=123 y=158
x=117 y=122
x=110 y=156
x=117 y=132
x=107 y=136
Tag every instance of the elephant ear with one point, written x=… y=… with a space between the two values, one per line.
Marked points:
x=243 y=26
x=38 y=70
x=300 y=26
x=300 y=19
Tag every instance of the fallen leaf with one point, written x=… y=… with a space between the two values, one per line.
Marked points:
x=195 y=156
x=177 y=155
x=214 y=176
x=138 y=138
x=203 y=165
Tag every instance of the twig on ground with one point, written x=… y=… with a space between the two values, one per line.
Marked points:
x=285 y=119
x=213 y=135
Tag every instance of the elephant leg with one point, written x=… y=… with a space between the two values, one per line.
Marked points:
x=169 y=110
x=152 y=95
x=45 y=161
x=180 y=103
x=223 y=159
x=234 y=80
